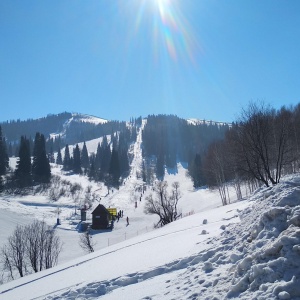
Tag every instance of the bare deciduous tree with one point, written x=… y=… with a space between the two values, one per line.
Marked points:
x=216 y=169
x=263 y=136
x=6 y=261
x=13 y=254
x=164 y=205
x=52 y=248
x=31 y=248
x=75 y=191
x=86 y=242
x=33 y=245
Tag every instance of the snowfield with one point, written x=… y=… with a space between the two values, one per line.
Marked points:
x=249 y=249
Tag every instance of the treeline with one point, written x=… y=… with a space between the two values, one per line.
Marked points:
x=169 y=138
x=30 y=169
x=73 y=128
x=47 y=125
x=110 y=162
x=261 y=147
x=83 y=131
x=75 y=133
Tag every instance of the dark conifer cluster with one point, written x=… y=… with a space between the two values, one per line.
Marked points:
x=38 y=171
x=108 y=164
x=4 y=160
x=170 y=139
x=40 y=165
x=75 y=131
x=167 y=139
x=111 y=160
x=47 y=125
x=23 y=176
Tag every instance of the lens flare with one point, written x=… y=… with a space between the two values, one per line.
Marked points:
x=170 y=29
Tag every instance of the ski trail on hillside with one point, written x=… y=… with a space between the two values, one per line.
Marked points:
x=137 y=151
x=119 y=198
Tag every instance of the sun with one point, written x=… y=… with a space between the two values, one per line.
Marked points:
x=162 y=5
x=169 y=32
x=173 y=29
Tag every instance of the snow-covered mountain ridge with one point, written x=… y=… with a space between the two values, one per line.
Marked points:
x=77 y=118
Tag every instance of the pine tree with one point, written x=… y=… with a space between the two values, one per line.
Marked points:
x=114 y=168
x=124 y=162
x=196 y=171
x=1 y=184
x=144 y=174
x=160 y=166
x=23 y=168
x=124 y=138
x=76 y=160
x=97 y=162
x=92 y=171
x=67 y=164
x=105 y=160
x=85 y=163
x=106 y=157
x=4 y=160
x=59 y=158
x=51 y=156
x=10 y=150
x=40 y=166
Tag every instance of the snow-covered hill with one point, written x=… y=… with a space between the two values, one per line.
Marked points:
x=77 y=118
x=246 y=250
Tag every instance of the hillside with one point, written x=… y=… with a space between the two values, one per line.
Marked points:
x=247 y=250
x=59 y=129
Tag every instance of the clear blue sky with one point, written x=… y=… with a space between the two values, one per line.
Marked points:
x=118 y=59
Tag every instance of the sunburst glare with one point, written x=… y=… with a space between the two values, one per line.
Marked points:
x=171 y=32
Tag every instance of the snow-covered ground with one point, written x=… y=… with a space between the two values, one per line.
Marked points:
x=247 y=250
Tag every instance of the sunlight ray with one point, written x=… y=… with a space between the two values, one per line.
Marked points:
x=171 y=31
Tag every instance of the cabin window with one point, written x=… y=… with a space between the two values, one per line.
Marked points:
x=97 y=217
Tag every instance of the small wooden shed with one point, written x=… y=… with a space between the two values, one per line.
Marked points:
x=101 y=217
x=83 y=214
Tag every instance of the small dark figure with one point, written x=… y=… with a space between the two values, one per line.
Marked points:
x=127 y=219
x=122 y=213
x=135 y=204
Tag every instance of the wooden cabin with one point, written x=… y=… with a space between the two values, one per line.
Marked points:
x=101 y=217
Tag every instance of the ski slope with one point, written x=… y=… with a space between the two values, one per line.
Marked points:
x=168 y=249
x=246 y=250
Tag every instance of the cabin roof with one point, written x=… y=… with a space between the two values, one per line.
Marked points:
x=100 y=209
